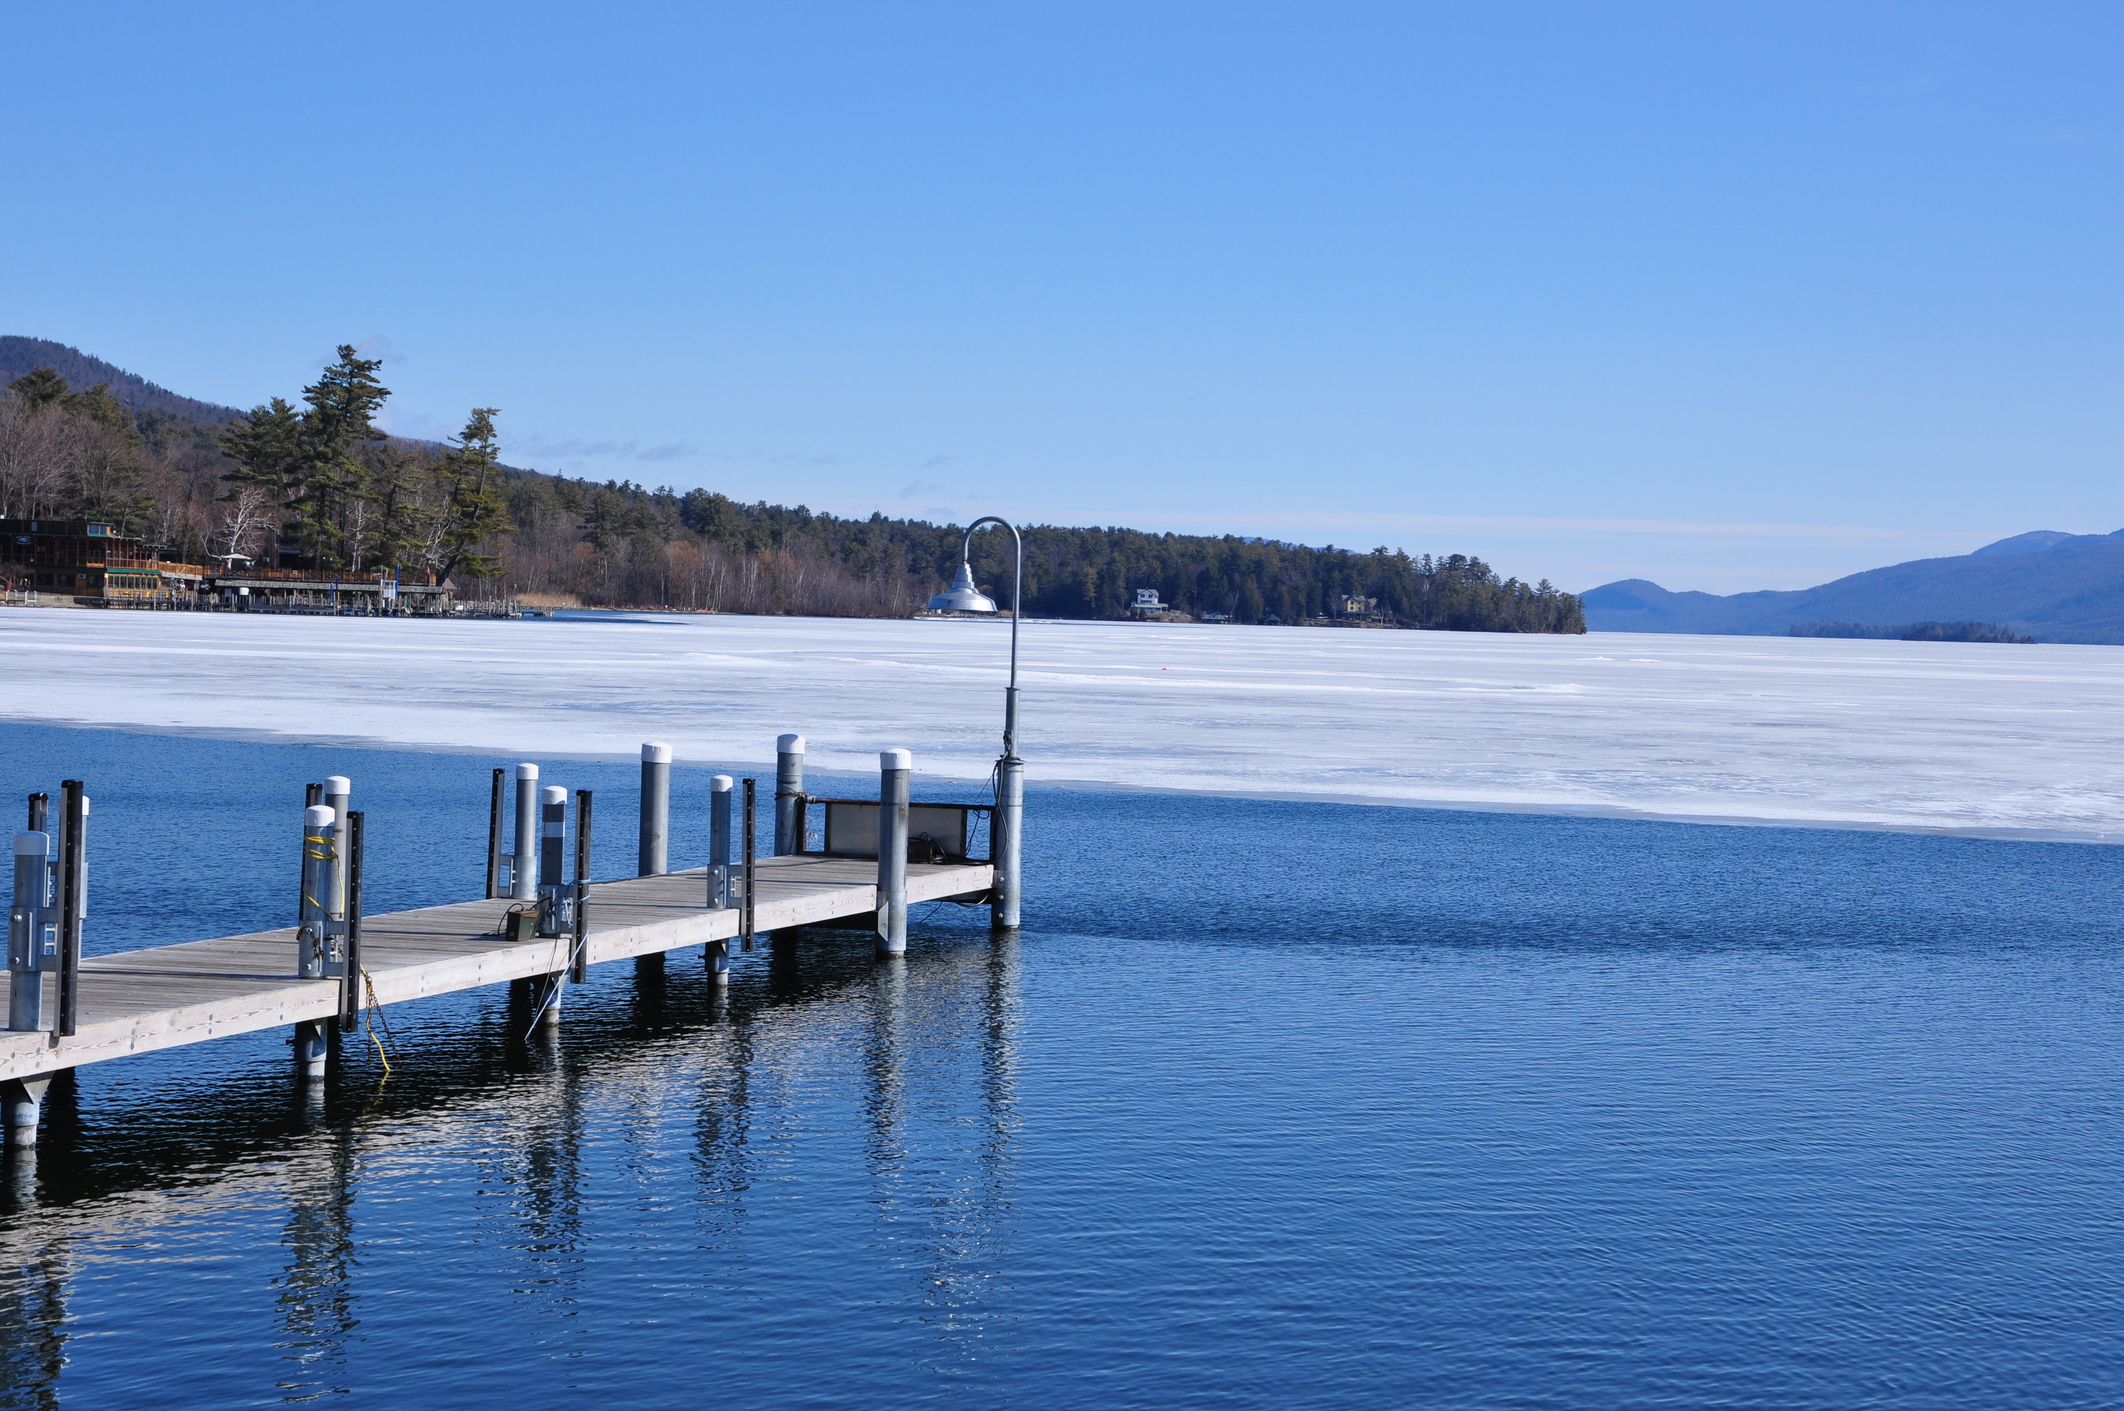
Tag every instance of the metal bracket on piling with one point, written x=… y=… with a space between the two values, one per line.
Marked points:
x=579 y=966
x=350 y=988
x=494 y=827
x=73 y=901
x=751 y=849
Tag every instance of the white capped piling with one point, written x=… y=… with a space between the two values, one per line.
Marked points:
x=721 y=796
x=894 y=770
x=552 y=842
x=320 y=859
x=788 y=795
x=523 y=867
x=720 y=793
x=652 y=860
x=32 y=931
x=338 y=789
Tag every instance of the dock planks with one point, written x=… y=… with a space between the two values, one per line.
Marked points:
x=143 y=1001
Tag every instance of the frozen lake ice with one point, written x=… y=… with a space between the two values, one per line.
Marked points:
x=1979 y=738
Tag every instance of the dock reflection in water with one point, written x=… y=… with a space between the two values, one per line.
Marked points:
x=667 y=1116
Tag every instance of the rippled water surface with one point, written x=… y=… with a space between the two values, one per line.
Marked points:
x=1271 y=1104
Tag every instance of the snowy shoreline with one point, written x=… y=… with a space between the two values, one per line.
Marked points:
x=1974 y=739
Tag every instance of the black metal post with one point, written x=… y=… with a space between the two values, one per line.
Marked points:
x=40 y=812
x=751 y=855
x=494 y=827
x=72 y=893
x=579 y=967
x=350 y=988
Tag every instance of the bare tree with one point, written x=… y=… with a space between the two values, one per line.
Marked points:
x=34 y=459
x=244 y=516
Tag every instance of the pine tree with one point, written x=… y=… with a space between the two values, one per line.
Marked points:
x=475 y=512
x=40 y=387
x=335 y=426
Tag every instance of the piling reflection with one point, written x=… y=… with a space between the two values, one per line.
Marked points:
x=657 y=1078
x=33 y=1321
x=944 y=1206
x=314 y=1299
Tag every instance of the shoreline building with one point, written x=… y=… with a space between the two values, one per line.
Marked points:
x=85 y=560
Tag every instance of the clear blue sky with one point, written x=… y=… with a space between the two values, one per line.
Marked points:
x=1729 y=297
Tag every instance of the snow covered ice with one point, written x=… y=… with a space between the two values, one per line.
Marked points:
x=1928 y=735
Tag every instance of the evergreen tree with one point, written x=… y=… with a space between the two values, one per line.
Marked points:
x=40 y=387
x=475 y=512
x=336 y=425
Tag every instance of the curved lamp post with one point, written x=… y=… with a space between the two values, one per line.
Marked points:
x=1006 y=831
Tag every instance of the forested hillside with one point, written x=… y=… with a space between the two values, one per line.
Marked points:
x=315 y=484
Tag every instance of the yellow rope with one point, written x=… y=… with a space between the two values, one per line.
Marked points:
x=369 y=1018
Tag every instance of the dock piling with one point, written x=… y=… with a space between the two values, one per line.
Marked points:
x=23 y=1101
x=523 y=865
x=1007 y=837
x=313 y=925
x=546 y=992
x=894 y=769
x=337 y=789
x=318 y=829
x=653 y=857
x=719 y=793
x=552 y=842
x=32 y=931
x=788 y=795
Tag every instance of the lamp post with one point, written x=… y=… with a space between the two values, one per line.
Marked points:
x=1007 y=828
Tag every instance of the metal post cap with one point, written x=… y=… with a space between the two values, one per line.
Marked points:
x=317 y=816
x=552 y=794
x=656 y=752
x=895 y=759
x=721 y=784
x=526 y=772
x=33 y=845
x=789 y=744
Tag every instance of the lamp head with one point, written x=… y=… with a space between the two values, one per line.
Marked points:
x=962 y=596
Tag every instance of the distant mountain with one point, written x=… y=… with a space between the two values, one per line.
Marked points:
x=22 y=355
x=2052 y=586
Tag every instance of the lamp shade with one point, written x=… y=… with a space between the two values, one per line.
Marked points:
x=962 y=596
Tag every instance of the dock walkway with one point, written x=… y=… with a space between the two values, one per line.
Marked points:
x=145 y=1000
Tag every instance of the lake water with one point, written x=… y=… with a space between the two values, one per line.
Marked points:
x=1271 y=1104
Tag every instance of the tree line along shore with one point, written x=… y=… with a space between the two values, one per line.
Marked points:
x=315 y=485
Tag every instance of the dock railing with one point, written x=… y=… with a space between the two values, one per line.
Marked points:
x=936 y=832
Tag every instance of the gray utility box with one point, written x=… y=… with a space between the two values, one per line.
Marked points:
x=936 y=832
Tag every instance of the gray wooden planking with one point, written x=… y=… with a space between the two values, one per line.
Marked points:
x=145 y=1000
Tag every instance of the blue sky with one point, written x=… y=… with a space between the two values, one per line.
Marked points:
x=1722 y=296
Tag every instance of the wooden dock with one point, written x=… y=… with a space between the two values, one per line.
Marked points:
x=146 y=1000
